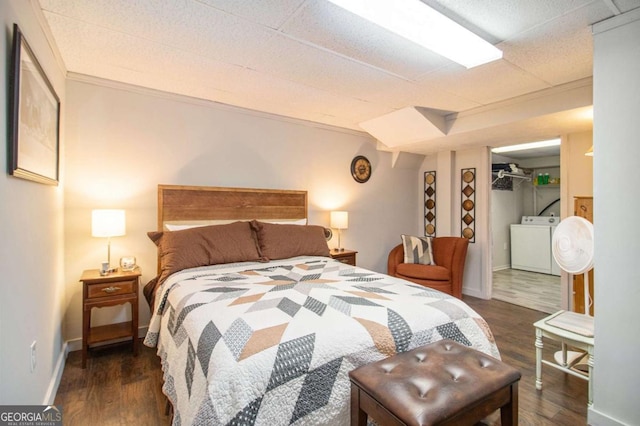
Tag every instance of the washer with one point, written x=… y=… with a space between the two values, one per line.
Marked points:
x=531 y=244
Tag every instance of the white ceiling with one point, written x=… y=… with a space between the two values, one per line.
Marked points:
x=311 y=60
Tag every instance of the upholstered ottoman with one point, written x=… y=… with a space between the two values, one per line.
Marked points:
x=444 y=383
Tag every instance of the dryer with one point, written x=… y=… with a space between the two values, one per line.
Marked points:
x=531 y=244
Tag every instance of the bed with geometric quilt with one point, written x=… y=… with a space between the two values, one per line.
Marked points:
x=272 y=343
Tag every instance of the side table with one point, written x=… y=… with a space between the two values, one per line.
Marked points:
x=99 y=291
x=571 y=329
x=344 y=256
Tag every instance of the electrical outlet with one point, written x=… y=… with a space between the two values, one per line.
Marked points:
x=33 y=356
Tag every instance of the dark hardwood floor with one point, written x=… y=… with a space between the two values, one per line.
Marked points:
x=563 y=399
x=117 y=388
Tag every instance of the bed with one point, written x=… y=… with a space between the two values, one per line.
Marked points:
x=267 y=335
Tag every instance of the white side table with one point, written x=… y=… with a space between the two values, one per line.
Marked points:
x=571 y=329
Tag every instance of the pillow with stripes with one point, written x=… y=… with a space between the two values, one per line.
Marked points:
x=417 y=250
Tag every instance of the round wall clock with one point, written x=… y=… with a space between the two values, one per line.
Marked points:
x=360 y=169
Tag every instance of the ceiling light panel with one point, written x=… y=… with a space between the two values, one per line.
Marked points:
x=417 y=22
x=525 y=146
x=338 y=30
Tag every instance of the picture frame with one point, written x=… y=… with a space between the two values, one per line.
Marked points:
x=34 y=117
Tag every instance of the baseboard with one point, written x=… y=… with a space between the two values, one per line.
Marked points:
x=76 y=344
x=501 y=268
x=52 y=390
x=596 y=418
x=474 y=293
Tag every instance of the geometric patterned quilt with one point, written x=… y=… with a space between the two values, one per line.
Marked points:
x=272 y=343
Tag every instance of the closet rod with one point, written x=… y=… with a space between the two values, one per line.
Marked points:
x=502 y=174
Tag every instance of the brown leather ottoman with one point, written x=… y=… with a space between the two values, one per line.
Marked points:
x=444 y=383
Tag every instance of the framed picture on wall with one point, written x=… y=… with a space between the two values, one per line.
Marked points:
x=34 y=117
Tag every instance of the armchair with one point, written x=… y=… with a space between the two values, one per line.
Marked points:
x=449 y=254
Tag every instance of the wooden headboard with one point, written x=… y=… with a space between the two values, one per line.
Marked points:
x=194 y=203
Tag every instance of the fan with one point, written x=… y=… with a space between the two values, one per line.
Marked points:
x=572 y=248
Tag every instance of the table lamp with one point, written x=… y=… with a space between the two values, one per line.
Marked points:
x=339 y=221
x=107 y=223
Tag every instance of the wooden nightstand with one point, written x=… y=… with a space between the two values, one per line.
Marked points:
x=345 y=256
x=99 y=291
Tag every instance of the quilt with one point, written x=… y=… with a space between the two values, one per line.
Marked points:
x=272 y=344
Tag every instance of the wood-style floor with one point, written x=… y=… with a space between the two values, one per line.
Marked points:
x=116 y=388
x=119 y=389
x=563 y=399
x=529 y=289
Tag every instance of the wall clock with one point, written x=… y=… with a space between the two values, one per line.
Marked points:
x=360 y=169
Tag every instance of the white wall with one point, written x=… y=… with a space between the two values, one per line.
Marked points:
x=579 y=168
x=448 y=166
x=616 y=151
x=506 y=209
x=478 y=265
x=124 y=141
x=31 y=254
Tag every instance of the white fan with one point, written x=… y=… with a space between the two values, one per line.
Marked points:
x=572 y=248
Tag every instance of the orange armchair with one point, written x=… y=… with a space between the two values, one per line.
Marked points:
x=449 y=254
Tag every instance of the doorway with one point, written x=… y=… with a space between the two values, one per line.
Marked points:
x=525 y=188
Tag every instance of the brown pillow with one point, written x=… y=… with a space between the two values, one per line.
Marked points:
x=283 y=241
x=206 y=245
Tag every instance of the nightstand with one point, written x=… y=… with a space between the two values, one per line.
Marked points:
x=99 y=291
x=345 y=256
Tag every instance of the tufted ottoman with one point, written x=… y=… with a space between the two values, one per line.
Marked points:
x=444 y=383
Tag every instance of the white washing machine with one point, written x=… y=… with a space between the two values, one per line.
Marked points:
x=531 y=244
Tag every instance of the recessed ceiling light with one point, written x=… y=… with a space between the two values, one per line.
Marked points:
x=522 y=147
x=427 y=27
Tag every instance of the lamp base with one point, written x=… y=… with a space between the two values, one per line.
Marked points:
x=339 y=248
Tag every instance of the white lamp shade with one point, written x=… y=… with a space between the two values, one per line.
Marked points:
x=107 y=223
x=339 y=220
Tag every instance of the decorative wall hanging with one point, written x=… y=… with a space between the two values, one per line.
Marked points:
x=360 y=169
x=430 y=204
x=468 y=204
x=34 y=117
